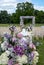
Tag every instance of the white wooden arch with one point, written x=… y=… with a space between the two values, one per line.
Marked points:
x=27 y=17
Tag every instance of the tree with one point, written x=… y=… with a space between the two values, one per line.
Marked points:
x=24 y=9
x=4 y=17
x=39 y=16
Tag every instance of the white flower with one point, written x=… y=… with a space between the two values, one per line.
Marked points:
x=8 y=52
x=3 y=58
x=35 y=58
x=36 y=53
x=10 y=49
x=24 y=32
x=5 y=39
x=4 y=45
x=22 y=59
x=24 y=39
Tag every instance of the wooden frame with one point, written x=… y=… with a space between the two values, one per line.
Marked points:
x=27 y=17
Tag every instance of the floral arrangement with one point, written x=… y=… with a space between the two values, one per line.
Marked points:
x=18 y=49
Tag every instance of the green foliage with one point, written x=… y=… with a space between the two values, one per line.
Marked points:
x=40 y=50
x=39 y=16
x=4 y=17
x=22 y=9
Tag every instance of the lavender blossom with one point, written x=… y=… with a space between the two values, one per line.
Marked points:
x=23 y=42
x=9 y=45
x=18 y=50
x=7 y=35
x=10 y=62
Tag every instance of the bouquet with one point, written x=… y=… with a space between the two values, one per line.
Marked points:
x=18 y=49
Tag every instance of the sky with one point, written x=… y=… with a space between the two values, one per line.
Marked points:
x=10 y=5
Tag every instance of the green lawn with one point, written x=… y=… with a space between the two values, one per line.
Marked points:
x=5 y=25
x=40 y=50
x=41 y=53
x=39 y=24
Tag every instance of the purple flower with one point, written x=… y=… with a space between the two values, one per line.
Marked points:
x=10 y=62
x=14 y=39
x=12 y=28
x=7 y=35
x=19 y=35
x=31 y=55
x=18 y=50
x=23 y=43
x=9 y=45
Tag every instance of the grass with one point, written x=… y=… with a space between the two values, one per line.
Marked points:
x=39 y=24
x=35 y=24
x=40 y=50
x=5 y=25
x=41 y=54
